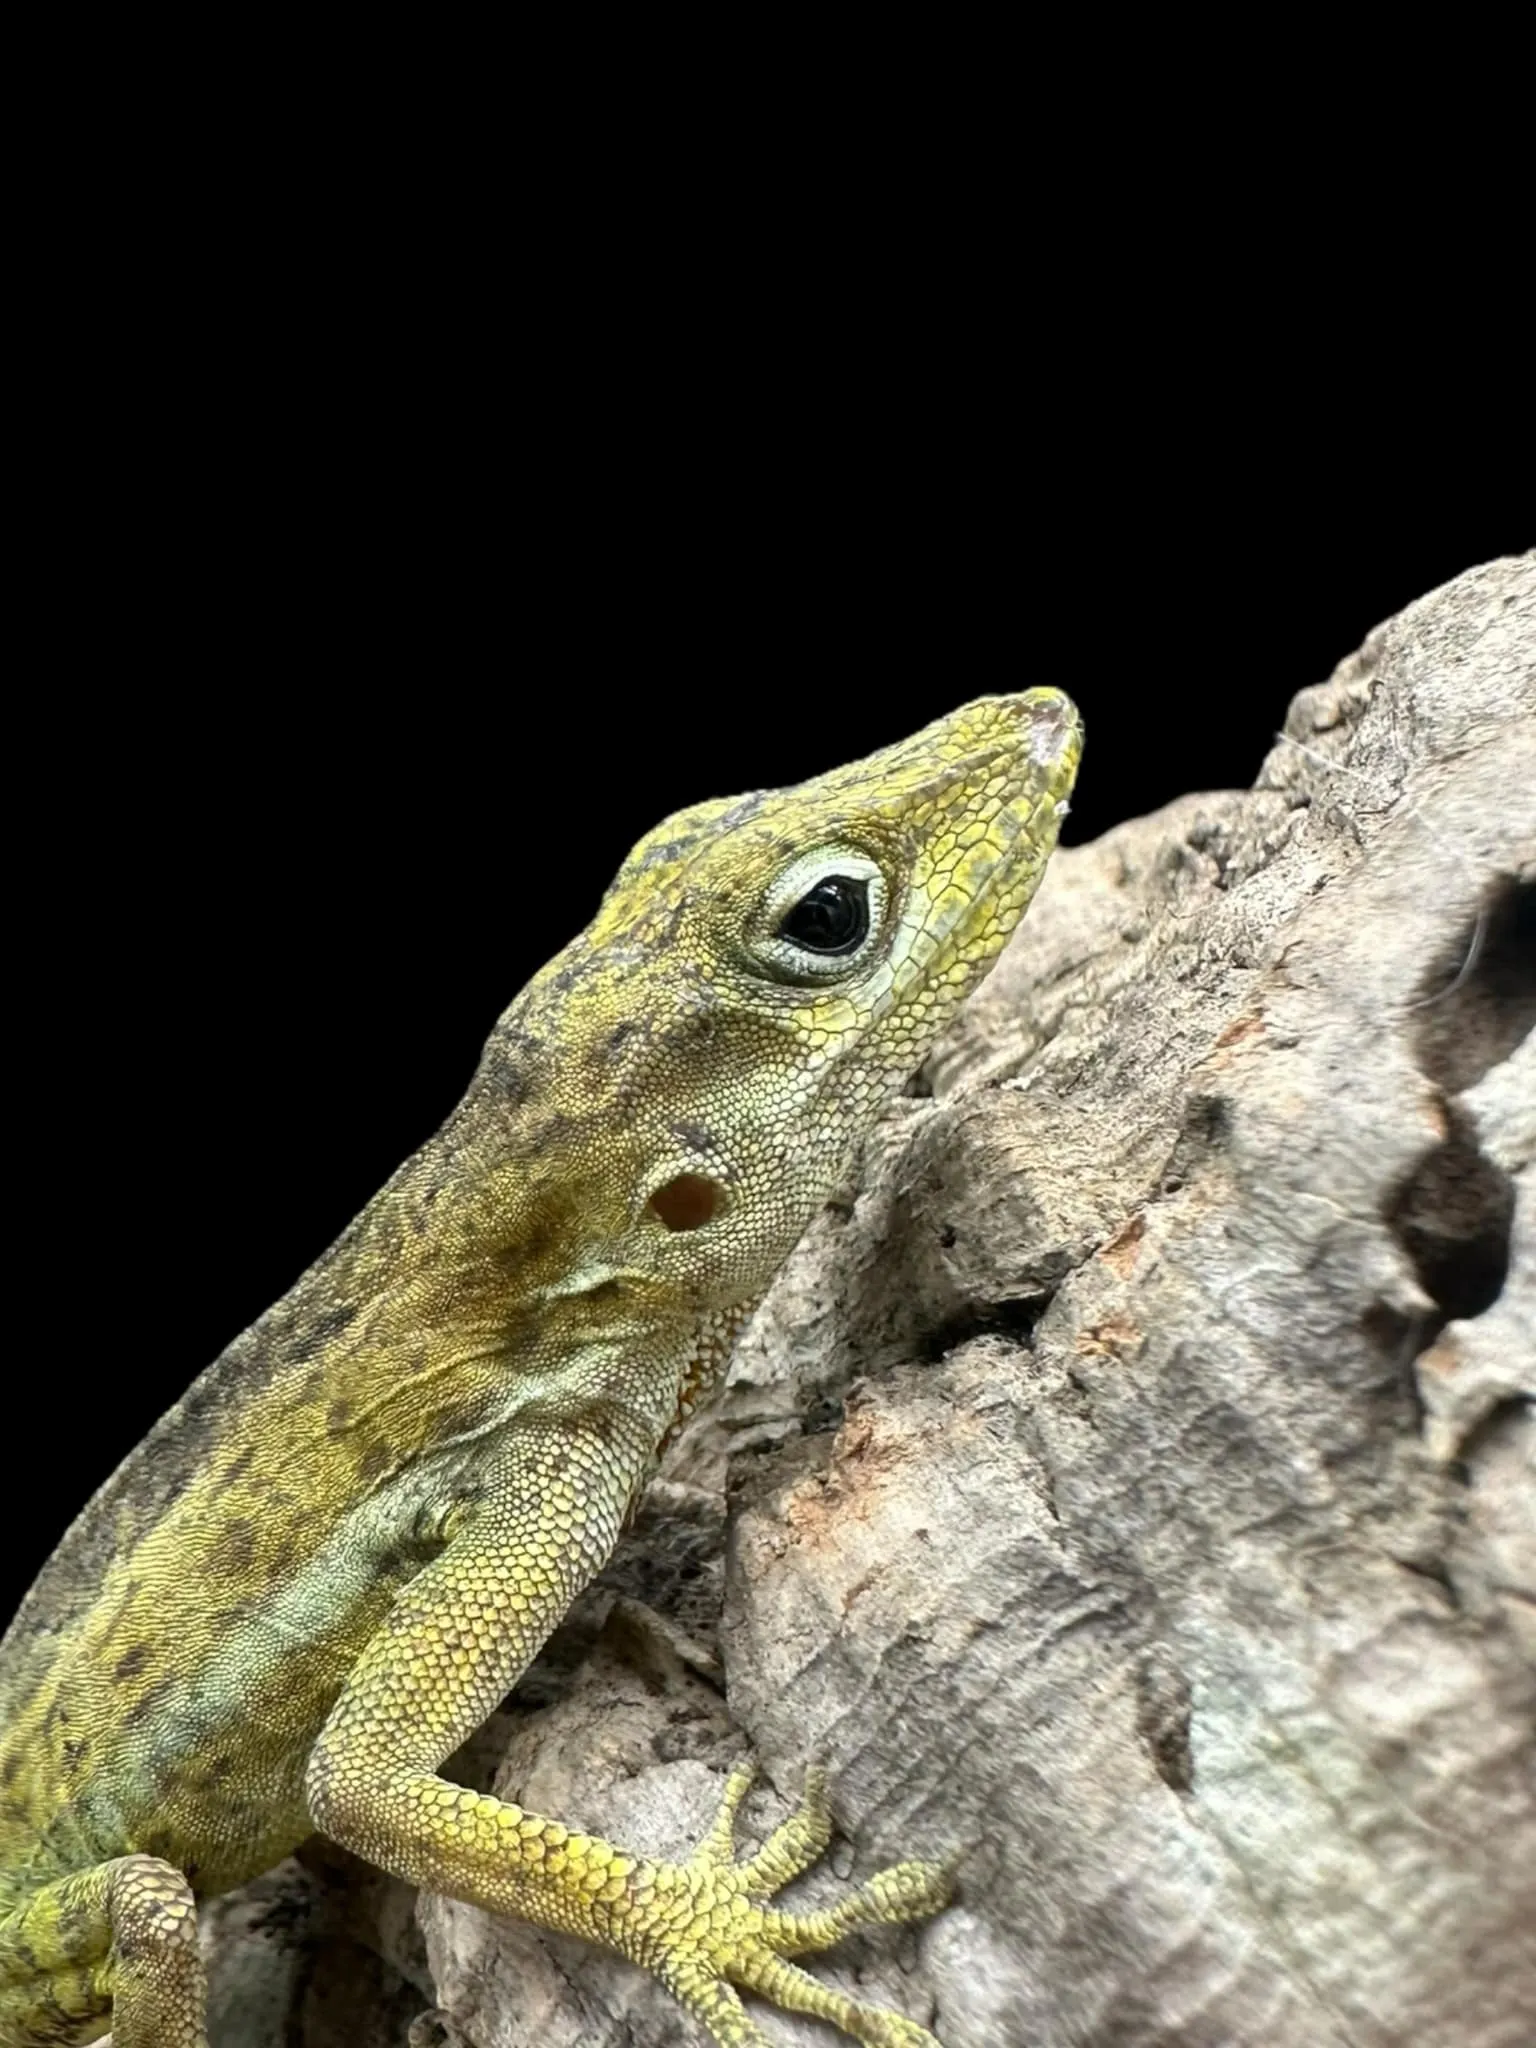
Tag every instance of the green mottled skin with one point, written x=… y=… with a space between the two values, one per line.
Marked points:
x=327 y=1564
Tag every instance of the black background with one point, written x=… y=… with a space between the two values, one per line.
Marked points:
x=333 y=752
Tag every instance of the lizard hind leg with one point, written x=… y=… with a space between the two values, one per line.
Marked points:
x=125 y=1931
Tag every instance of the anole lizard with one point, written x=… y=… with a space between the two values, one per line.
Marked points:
x=327 y=1564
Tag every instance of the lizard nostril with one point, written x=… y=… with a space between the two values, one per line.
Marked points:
x=689 y=1202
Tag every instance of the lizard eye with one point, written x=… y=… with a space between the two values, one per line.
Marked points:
x=822 y=917
x=831 y=918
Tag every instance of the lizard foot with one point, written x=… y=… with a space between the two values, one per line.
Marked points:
x=708 y=1925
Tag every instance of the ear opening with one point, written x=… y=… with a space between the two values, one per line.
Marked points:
x=688 y=1202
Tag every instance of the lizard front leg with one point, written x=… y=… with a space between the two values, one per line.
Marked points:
x=455 y=1641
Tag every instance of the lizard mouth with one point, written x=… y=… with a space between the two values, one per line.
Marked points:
x=1014 y=762
x=1032 y=741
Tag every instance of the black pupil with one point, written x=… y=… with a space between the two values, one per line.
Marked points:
x=831 y=918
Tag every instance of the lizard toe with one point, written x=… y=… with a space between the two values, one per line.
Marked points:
x=904 y=1891
x=795 y=1990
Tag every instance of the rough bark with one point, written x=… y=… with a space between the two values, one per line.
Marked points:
x=1132 y=1485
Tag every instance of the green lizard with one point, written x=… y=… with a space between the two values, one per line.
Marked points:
x=327 y=1564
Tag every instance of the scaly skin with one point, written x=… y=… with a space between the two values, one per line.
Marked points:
x=323 y=1569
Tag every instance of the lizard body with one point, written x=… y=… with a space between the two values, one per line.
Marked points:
x=328 y=1563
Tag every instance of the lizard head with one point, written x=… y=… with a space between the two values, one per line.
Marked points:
x=762 y=974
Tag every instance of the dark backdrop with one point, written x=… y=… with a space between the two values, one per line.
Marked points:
x=324 y=778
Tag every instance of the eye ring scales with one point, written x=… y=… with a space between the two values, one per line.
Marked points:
x=822 y=919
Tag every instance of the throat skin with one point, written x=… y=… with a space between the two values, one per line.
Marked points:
x=324 y=1566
